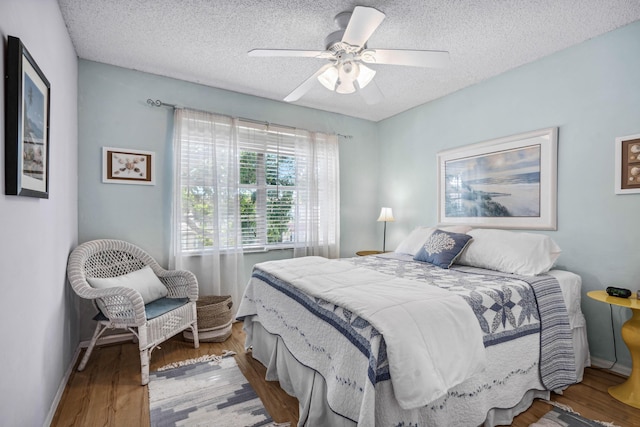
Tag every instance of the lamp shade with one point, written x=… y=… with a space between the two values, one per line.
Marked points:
x=386 y=214
x=329 y=78
x=365 y=76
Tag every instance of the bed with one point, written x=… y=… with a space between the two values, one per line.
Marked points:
x=390 y=340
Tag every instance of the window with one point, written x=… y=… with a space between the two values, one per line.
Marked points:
x=267 y=186
x=271 y=180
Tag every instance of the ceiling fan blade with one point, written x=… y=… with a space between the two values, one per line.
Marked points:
x=291 y=53
x=364 y=21
x=306 y=85
x=415 y=58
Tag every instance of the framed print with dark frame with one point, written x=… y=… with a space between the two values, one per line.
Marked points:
x=127 y=166
x=628 y=164
x=26 y=124
x=508 y=182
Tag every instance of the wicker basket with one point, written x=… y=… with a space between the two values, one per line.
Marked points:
x=214 y=319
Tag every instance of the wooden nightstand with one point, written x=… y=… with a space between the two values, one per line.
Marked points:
x=365 y=253
x=629 y=391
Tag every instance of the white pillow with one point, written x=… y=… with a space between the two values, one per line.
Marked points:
x=144 y=281
x=414 y=241
x=527 y=254
x=462 y=229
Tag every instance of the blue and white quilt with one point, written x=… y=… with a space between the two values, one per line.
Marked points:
x=506 y=306
x=336 y=337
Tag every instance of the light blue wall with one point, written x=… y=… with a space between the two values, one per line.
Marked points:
x=113 y=112
x=592 y=93
x=589 y=91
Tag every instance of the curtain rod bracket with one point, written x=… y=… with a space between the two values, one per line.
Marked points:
x=158 y=103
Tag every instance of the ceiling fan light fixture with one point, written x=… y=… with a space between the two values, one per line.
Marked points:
x=329 y=78
x=342 y=77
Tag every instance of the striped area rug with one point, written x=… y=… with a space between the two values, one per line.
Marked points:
x=209 y=391
x=564 y=416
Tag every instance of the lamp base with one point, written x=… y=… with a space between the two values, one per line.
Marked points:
x=384 y=237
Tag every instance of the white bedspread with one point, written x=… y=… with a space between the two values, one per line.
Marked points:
x=425 y=359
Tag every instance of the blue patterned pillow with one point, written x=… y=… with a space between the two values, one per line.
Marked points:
x=442 y=248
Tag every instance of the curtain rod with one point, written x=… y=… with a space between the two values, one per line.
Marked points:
x=158 y=103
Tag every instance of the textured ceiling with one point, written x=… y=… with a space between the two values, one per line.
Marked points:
x=206 y=41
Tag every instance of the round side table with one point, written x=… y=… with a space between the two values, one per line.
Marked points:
x=629 y=391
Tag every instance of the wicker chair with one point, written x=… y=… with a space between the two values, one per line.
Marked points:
x=123 y=307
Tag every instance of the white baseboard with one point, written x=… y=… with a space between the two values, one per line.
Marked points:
x=109 y=339
x=61 y=387
x=617 y=368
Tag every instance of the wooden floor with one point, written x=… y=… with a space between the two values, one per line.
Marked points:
x=108 y=391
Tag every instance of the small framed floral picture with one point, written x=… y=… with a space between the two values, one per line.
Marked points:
x=628 y=164
x=127 y=166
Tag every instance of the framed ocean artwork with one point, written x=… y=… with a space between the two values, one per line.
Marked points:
x=26 y=124
x=509 y=182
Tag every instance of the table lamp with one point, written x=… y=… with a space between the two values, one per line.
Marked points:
x=386 y=215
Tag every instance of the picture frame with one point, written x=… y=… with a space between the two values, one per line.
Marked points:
x=627 y=164
x=128 y=166
x=27 y=112
x=508 y=182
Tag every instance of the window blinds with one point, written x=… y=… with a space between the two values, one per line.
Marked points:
x=283 y=182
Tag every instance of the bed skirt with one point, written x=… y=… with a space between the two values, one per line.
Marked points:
x=309 y=387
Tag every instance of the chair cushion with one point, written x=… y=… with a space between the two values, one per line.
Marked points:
x=163 y=305
x=155 y=308
x=144 y=281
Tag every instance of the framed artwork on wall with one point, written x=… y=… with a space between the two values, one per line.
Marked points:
x=127 y=166
x=26 y=124
x=508 y=182
x=627 y=164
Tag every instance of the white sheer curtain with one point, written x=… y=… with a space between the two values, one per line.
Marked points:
x=206 y=228
x=317 y=215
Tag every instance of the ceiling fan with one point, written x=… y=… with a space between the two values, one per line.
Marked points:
x=347 y=52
